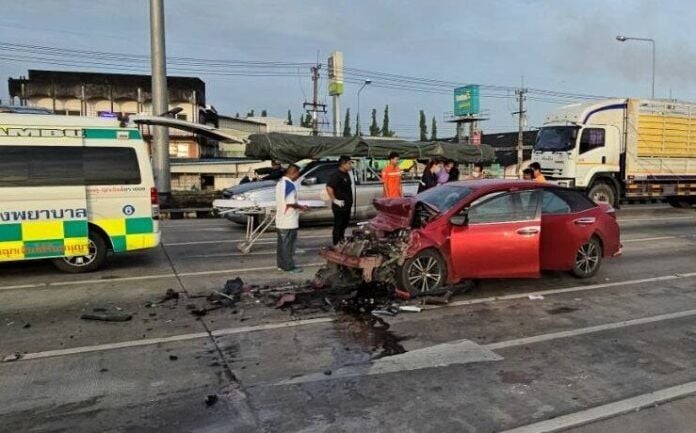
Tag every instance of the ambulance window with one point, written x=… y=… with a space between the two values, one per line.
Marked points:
x=22 y=166
x=111 y=166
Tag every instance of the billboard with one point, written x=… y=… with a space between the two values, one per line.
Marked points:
x=335 y=66
x=466 y=100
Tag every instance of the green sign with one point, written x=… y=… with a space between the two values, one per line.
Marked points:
x=466 y=100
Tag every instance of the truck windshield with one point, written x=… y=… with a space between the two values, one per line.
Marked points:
x=556 y=138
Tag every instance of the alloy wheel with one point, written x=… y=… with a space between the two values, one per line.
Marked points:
x=424 y=273
x=587 y=258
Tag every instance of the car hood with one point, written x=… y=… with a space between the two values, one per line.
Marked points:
x=393 y=213
x=249 y=186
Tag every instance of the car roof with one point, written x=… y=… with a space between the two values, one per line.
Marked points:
x=490 y=185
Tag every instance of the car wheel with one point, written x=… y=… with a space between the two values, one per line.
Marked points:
x=88 y=263
x=422 y=273
x=602 y=192
x=588 y=259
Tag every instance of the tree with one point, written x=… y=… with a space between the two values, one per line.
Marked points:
x=374 y=127
x=289 y=122
x=307 y=121
x=357 y=125
x=237 y=115
x=264 y=113
x=423 y=127
x=251 y=113
x=346 y=124
x=433 y=130
x=385 y=123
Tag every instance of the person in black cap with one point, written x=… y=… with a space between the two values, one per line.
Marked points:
x=340 y=191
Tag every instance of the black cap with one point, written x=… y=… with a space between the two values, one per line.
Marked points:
x=343 y=159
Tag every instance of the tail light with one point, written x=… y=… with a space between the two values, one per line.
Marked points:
x=154 y=201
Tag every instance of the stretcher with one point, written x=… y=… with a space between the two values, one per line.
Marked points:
x=260 y=216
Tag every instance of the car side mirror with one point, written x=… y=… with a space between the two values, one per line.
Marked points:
x=307 y=181
x=460 y=220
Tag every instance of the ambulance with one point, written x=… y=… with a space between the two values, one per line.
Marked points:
x=74 y=189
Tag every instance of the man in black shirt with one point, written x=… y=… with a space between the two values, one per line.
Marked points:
x=340 y=191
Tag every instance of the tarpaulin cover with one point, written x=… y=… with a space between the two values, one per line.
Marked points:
x=292 y=148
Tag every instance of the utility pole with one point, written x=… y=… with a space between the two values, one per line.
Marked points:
x=160 y=100
x=316 y=107
x=520 y=133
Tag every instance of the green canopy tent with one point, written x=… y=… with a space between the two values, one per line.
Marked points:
x=292 y=148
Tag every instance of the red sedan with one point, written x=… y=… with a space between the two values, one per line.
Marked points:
x=480 y=229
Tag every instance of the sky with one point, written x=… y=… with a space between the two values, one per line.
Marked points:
x=560 y=45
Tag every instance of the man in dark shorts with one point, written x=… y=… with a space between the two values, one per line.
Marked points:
x=340 y=191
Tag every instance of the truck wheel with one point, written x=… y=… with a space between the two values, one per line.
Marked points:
x=602 y=192
x=91 y=262
x=680 y=203
x=424 y=272
x=588 y=259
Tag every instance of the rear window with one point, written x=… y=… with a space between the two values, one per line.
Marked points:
x=22 y=166
x=575 y=200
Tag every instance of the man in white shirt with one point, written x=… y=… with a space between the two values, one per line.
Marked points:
x=287 y=219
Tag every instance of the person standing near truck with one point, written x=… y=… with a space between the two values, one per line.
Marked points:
x=391 y=177
x=340 y=191
x=538 y=176
x=287 y=219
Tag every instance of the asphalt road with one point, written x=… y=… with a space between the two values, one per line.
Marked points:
x=584 y=358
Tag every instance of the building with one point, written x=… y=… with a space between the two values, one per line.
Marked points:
x=244 y=127
x=105 y=94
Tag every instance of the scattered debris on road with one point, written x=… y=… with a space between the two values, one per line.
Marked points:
x=536 y=297
x=173 y=357
x=14 y=357
x=102 y=314
x=211 y=399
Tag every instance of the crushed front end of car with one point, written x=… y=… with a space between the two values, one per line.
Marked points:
x=368 y=255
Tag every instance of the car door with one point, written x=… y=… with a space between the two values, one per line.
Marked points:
x=568 y=220
x=312 y=187
x=500 y=238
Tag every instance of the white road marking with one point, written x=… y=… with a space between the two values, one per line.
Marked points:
x=439 y=355
x=678 y=276
x=257 y=253
x=625 y=220
x=659 y=238
x=588 y=330
x=606 y=411
x=227 y=241
x=153 y=277
x=229 y=331
x=174 y=338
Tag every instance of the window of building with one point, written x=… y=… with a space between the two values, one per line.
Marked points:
x=181 y=116
x=591 y=138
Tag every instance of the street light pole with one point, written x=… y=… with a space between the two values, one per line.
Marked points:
x=160 y=102
x=360 y=90
x=622 y=38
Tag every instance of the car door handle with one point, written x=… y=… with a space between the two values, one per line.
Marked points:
x=585 y=221
x=528 y=231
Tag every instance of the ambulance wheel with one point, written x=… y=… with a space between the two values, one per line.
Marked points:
x=91 y=262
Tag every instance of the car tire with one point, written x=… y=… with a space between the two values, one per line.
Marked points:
x=602 y=192
x=79 y=264
x=588 y=259
x=426 y=271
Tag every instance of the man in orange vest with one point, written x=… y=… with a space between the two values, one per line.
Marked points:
x=538 y=176
x=391 y=177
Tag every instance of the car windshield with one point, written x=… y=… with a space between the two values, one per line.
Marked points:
x=443 y=197
x=556 y=138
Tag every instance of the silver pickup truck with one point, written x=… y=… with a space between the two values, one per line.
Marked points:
x=312 y=184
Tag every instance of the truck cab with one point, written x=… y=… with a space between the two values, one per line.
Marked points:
x=580 y=146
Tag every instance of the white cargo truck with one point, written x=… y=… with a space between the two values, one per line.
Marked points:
x=622 y=148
